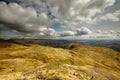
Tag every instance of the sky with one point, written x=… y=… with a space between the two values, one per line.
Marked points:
x=60 y=19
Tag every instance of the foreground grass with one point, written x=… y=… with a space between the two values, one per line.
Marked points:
x=34 y=62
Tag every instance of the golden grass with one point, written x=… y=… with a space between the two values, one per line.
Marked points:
x=74 y=63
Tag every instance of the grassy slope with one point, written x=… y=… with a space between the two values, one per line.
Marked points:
x=76 y=62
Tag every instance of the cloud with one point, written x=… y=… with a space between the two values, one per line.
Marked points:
x=22 y=19
x=78 y=32
x=111 y=16
x=66 y=33
x=46 y=32
x=34 y=17
x=67 y=11
x=50 y=32
x=99 y=31
x=112 y=32
x=83 y=31
x=106 y=32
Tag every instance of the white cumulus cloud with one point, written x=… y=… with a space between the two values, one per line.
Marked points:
x=66 y=33
x=112 y=16
x=83 y=31
x=34 y=17
x=22 y=19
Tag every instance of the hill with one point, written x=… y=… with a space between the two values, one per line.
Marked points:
x=113 y=44
x=44 y=42
x=72 y=62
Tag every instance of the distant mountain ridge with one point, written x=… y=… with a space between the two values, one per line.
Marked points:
x=44 y=42
x=115 y=45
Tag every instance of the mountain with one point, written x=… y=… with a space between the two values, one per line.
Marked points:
x=113 y=44
x=44 y=42
x=71 y=62
x=116 y=47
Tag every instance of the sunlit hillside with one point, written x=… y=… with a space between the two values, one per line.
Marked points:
x=72 y=62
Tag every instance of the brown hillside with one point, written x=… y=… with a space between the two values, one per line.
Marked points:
x=76 y=62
